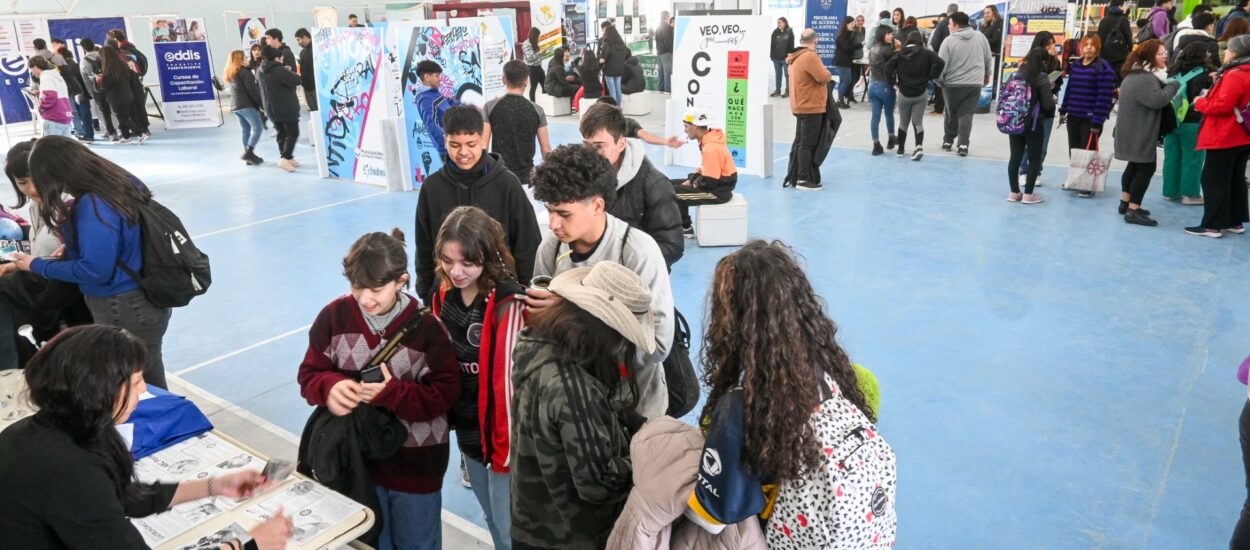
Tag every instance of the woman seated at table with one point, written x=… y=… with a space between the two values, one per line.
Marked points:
x=67 y=477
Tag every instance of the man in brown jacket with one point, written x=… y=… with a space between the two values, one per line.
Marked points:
x=809 y=99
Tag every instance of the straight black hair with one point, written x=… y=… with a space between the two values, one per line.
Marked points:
x=428 y=67
x=17 y=166
x=463 y=120
x=879 y=38
x=534 y=36
x=88 y=45
x=62 y=166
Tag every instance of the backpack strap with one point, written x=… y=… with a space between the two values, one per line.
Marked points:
x=392 y=344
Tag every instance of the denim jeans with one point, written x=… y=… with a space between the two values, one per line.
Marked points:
x=614 y=87
x=82 y=117
x=55 y=128
x=1047 y=124
x=779 y=67
x=494 y=495
x=881 y=97
x=666 y=72
x=249 y=121
x=135 y=313
x=410 y=521
x=846 y=83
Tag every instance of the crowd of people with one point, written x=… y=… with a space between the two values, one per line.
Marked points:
x=103 y=90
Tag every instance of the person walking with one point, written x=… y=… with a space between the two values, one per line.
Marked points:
x=969 y=66
x=1144 y=93
x=612 y=54
x=782 y=43
x=914 y=67
x=1034 y=73
x=53 y=104
x=664 y=50
x=1091 y=89
x=881 y=87
x=1227 y=147
x=844 y=60
x=278 y=83
x=1116 y=35
x=307 y=72
x=117 y=81
x=1182 y=159
x=809 y=82
x=534 y=60
x=941 y=30
x=245 y=103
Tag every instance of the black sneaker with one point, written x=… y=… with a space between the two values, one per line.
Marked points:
x=876 y=148
x=1085 y=194
x=946 y=145
x=892 y=143
x=1124 y=209
x=1140 y=217
x=808 y=186
x=1204 y=232
x=963 y=150
x=687 y=232
x=774 y=94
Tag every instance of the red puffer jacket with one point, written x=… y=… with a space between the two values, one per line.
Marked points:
x=1220 y=128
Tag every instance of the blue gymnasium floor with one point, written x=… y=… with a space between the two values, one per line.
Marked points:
x=1051 y=377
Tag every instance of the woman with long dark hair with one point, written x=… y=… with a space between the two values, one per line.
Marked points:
x=881 y=94
x=780 y=44
x=897 y=19
x=588 y=72
x=612 y=55
x=844 y=60
x=753 y=352
x=1182 y=159
x=914 y=67
x=117 y=81
x=1033 y=71
x=992 y=28
x=534 y=59
x=67 y=478
x=1045 y=41
x=573 y=408
x=1145 y=92
x=562 y=79
x=101 y=232
x=1227 y=146
x=1091 y=89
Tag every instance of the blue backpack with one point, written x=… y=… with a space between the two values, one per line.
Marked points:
x=1016 y=110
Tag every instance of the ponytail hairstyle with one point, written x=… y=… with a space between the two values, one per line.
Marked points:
x=481 y=241
x=376 y=259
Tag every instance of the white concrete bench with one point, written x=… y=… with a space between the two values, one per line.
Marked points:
x=636 y=104
x=555 y=106
x=722 y=224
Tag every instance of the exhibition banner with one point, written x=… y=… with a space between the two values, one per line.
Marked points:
x=72 y=31
x=714 y=58
x=186 y=78
x=348 y=65
x=575 y=27
x=457 y=50
x=251 y=31
x=545 y=14
x=15 y=78
x=177 y=30
x=1026 y=18
x=825 y=17
x=498 y=34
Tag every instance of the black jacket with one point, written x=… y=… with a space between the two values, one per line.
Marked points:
x=782 y=43
x=664 y=39
x=56 y=495
x=994 y=33
x=306 y=74
x=557 y=85
x=647 y=202
x=589 y=72
x=119 y=87
x=73 y=79
x=278 y=84
x=288 y=57
x=914 y=68
x=245 y=91
x=1212 y=47
x=844 y=47
x=1196 y=86
x=497 y=191
x=1115 y=24
x=334 y=450
x=633 y=81
x=613 y=52
x=940 y=32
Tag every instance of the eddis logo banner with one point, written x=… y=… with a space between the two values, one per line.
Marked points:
x=186 y=78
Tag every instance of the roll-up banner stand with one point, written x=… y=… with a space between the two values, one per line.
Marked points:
x=350 y=74
x=185 y=70
x=498 y=35
x=721 y=64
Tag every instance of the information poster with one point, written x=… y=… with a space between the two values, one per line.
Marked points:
x=714 y=58
x=72 y=31
x=177 y=30
x=457 y=50
x=186 y=78
x=498 y=34
x=251 y=31
x=28 y=30
x=628 y=25
x=825 y=17
x=1024 y=20
x=545 y=14
x=348 y=65
x=575 y=27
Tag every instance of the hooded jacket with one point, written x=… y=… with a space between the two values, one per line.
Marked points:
x=645 y=200
x=54 y=98
x=914 y=67
x=1160 y=22
x=491 y=396
x=278 y=85
x=809 y=79
x=969 y=60
x=1182 y=39
x=1220 y=129
x=717 y=171
x=665 y=456
x=91 y=67
x=570 y=453
x=637 y=251
x=432 y=105
x=497 y=191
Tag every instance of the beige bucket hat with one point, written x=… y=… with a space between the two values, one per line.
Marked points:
x=615 y=295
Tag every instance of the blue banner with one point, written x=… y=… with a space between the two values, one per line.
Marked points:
x=825 y=17
x=74 y=30
x=14 y=77
x=186 y=78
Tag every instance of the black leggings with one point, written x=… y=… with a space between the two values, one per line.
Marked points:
x=1032 y=141
x=1078 y=133
x=1241 y=534
x=288 y=134
x=124 y=110
x=1224 y=188
x=536 y=79
x=1136 y=180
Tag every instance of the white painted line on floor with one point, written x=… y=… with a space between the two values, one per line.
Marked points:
x=235 y=170
x=781 y=158
x=242 y=350
x=201 y=393
x=291 y=215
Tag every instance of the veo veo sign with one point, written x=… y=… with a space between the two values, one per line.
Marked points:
x=182 y=55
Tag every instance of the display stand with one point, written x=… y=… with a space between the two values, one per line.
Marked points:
x=317 y=134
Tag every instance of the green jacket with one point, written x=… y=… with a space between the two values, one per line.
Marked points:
x=570 y=467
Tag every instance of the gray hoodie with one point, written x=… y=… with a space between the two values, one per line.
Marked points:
x=641 y=255
x=969 y=61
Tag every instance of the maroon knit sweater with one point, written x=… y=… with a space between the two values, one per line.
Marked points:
x=426 y=382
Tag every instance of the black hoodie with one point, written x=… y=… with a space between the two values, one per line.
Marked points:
x=914 y=67
x=489 y=186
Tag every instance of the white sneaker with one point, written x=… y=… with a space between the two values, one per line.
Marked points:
x=285 y=164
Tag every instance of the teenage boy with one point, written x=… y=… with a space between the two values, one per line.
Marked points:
x=576 y=185
x=644 y=195
x=515 y=120
x=273 y=39
x=307 y=79
x=473 y=177
x=432 y=105
x=714 y=181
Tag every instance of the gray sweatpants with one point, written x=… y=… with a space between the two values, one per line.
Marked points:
x=911 y=110
x=961 y=103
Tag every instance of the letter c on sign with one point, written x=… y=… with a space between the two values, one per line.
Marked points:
x=694 y=64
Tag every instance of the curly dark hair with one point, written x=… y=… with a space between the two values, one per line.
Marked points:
x=768 y=332
x=574 y=173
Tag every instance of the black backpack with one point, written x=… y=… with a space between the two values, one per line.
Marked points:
x=174 y=270
x=1117 y=45
x=140 y=60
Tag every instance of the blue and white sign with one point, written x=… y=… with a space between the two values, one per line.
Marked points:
x=825 y=17
x=186 y=77
x=72 y=31
x=14 y=77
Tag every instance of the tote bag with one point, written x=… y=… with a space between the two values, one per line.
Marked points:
x=1087 y=169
